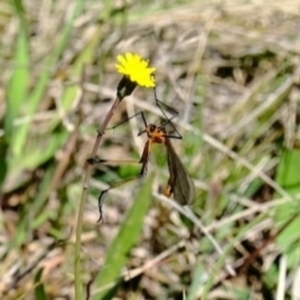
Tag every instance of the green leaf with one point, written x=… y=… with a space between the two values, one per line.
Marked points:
x=117 y=255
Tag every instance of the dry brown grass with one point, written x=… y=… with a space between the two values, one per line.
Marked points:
x=232 y=71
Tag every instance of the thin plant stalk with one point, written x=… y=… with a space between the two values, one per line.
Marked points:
x=87 y=176
x=135 y=72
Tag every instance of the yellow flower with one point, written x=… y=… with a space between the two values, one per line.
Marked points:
x=136 y=69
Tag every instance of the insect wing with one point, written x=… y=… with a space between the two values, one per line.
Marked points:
x=180 y=182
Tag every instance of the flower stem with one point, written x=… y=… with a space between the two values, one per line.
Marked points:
x=84 y=195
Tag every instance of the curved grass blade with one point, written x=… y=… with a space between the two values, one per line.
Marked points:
x=128 y=236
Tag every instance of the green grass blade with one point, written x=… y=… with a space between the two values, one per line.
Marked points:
x=18 y=85
x=288 y=178
x=288 y=171
x=128 y=236
x=196 y=282
x=35 y=155
x=84 y=58
x=3 y=162
x=39 y=291
x=37 y=95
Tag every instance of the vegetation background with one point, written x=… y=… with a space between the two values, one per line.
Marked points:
x=232 y=70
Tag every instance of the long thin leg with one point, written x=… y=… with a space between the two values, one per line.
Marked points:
x=175 y=137
x=98 y=161
x=168 y=108
x=174 y=113
x=141 y=113
x=160 y=105
x=115 y=185
x=144 y=161
x=168 y=120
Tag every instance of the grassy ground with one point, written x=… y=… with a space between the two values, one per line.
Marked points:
x=232 y=70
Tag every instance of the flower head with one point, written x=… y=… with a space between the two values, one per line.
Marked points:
x=136 y=69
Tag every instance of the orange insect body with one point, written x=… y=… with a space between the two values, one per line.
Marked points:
x=179 y=184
